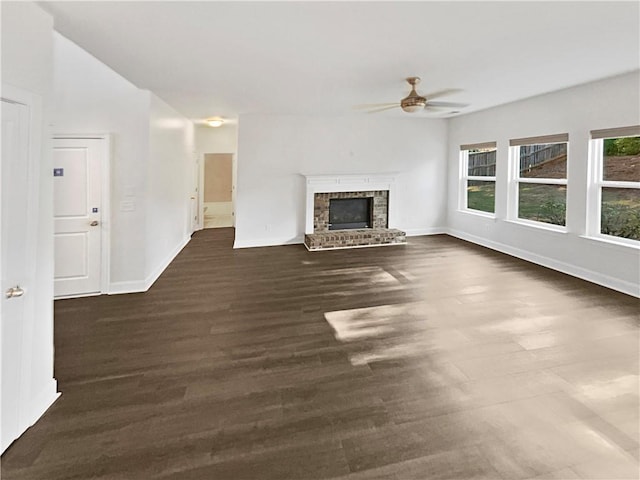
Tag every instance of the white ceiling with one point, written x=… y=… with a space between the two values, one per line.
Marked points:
x=232 y=58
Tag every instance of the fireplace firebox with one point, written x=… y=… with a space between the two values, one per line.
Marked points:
x=350 y=213
x=371 y=213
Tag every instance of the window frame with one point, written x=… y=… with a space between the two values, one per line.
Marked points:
x=465 y=178
x=516 y=180
x=597 y=183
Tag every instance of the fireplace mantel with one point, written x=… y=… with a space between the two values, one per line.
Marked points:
x=348 y=183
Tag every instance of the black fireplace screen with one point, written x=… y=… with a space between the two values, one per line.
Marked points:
x=347 y=213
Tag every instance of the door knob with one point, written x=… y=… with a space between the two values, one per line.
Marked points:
x=14 y=292
x=94 y=223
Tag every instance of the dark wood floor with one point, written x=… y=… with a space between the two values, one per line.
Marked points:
x=438 y=359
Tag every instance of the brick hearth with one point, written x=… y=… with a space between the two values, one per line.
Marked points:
x=365 y=237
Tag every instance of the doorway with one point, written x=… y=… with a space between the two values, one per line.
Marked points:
x=80 y=215
x=218 y=190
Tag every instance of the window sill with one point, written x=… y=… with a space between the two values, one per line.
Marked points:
x=539 y=225
x=610 y=240
x=477 y=213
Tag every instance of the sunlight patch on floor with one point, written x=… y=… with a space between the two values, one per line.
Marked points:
x=523 y=325
x=391 y=332
x=625 y=384
x=373 y=275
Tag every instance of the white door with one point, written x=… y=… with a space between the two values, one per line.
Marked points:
x=17 y=243
x=77 y=214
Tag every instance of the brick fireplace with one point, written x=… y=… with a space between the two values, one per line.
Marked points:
x=322 y=189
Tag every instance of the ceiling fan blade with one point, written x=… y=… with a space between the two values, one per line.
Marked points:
x=365 y=106
x=388 y=107
x=447 y=104
x=437 y=113
x=443 y=93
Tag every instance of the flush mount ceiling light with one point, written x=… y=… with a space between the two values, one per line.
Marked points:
x=215 y=122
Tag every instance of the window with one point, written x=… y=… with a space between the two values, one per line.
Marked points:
x=479 y=176
x=540 y=165
x=617 y=180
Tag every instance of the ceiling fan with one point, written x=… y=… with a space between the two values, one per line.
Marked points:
x=415 y=102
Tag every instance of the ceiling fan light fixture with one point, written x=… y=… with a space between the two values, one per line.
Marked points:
x=412 y=108
x=412 y=104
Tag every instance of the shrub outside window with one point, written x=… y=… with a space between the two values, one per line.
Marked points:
x=541 y=178
x=617 y=172
x=479 y=176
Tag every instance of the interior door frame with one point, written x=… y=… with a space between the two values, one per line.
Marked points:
x=195 y=226
x=234 y=177
x=201 y=163
x=105 y=199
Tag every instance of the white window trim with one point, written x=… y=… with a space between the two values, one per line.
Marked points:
x=544 y=181
x=482 y=179
x=478 y=213
x=551 y=227
x=619 y=241
x=594 y=200
x=619 y=184
x=464 y=178
x=514 y=188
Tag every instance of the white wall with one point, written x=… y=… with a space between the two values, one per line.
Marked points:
x=151 y=165
x=273 y=152
x=27 y=56
x=169 y=173
x=89 y=98
x=223 y=139
x=609 y=103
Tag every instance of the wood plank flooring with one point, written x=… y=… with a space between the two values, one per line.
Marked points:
x=438 y=359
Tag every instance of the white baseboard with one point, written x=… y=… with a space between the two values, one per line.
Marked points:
x=418 y=232
x=81 y=295
x=153 y=276
x=138 y=286
x=41 y=402
x=598 y=278
x=133 y=286
x=268 y=242
x=34 y=409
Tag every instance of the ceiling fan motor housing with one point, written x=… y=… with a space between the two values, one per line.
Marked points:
x=413 y=102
